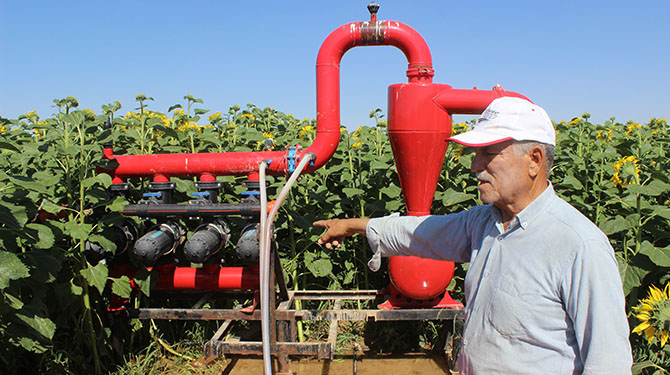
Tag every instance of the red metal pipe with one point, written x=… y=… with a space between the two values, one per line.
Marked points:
x=328 y=109
x=207 y=277
x=471 y=102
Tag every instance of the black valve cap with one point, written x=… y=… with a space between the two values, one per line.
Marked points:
x=202 y=245
x=247 y=246
x=151 y=246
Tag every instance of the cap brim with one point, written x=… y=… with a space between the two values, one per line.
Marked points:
x=474 y=138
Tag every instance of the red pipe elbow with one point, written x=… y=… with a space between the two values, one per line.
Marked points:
x=471 y=102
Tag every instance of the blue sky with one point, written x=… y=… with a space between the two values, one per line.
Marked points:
x=609 y=58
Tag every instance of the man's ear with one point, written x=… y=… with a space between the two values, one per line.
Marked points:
x=536 y=165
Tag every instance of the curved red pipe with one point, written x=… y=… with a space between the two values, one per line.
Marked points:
x=328 y=110
x=471 y=102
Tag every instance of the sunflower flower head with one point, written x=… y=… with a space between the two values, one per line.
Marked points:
x=188 y=126
x=215 y=118
x=33 y=116
x=604 y=135
x=306 y=131
x=626 y=171
x=653 y=313
x=631 y=127
x=357 y=133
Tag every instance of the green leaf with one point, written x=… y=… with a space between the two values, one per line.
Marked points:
x=349 y=277
x=44 y=266
x=573 y=182
x=174 y=107
x=452 y=197
x=96 y=276
x=43 y=326
x=631 y=276
x=42 y=234
x=11 y=268
x=75 y=289
x=121 y=287
x=615 y=225
x=167 y=131
x=32 y=345
x=378 y=164
x=117 y=204
x=77 y=230
x=654 y=188
x=391 y=191
x=46 y=177
x=144 y=279
x=660 y=256
x=353 y=192
x=13 y=302
x=199 y=111
x=8 y=215
x=8 y=146
x=320 y=267
x=662 y=211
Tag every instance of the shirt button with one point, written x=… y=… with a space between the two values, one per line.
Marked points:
x=487 y=273
x=525 y=223
x=500 y=238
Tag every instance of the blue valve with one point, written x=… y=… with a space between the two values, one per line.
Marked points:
x=201 y=194
x=152 y=195
x=291 y=159
x=250 y=193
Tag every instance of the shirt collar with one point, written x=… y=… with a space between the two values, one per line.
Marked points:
x=529 y=213
x=536 y=207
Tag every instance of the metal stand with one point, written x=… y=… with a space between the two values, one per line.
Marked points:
x=285 y=317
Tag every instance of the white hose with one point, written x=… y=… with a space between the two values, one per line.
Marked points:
x=267 y=356
x=264 y=252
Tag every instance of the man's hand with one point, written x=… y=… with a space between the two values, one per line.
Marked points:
x=337 y=229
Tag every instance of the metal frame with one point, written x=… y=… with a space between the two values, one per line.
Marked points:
x=284 y=338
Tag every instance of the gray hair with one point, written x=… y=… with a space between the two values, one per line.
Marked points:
x=524 y=147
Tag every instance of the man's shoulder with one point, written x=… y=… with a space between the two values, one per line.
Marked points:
x=567 y=219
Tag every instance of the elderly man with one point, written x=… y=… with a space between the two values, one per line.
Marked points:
x=543 y=293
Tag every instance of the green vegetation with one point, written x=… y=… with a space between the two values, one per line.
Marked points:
x=53 y=308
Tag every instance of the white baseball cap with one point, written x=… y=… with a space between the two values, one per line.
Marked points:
x=509 y=118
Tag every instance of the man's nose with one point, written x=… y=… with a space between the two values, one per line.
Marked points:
x=477 y=164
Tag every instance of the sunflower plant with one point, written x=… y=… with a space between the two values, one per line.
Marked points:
x=654 y=315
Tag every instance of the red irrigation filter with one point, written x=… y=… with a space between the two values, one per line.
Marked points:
x=419 y=113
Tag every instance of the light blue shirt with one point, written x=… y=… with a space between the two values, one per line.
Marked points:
x=542 y=297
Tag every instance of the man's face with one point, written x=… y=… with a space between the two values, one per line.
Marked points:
x=502 y=173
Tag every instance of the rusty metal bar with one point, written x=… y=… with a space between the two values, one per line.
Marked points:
x=335 y=294
x=321 y=350
x=305 y=315
x=332 y=332
x=209 y=345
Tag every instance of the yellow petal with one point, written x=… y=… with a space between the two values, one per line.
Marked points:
x=667 y=290
x=655 y=293
x=649 y=333
x=642 y=316
x=641 y=327
x=643 y=308
x=664 y=337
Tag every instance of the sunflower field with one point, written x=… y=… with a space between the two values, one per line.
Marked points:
x=53 y=315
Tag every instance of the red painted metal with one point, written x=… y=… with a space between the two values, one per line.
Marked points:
x=207 y=277
x=328 y=109
x=471 y=102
